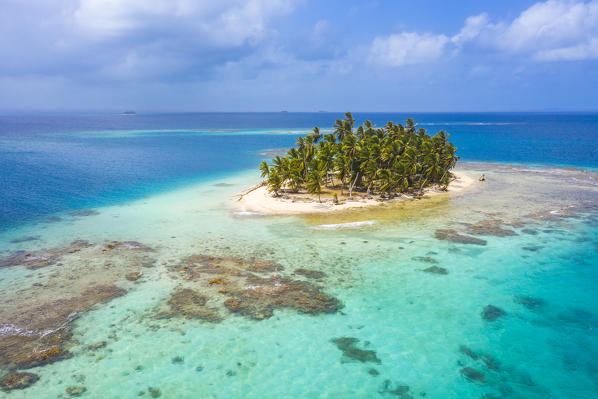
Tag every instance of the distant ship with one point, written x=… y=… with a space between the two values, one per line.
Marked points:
x=129 y=113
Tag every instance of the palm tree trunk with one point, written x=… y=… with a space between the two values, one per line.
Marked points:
x=353 y=185
x=421 y=187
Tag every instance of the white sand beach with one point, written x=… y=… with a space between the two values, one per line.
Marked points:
x=260 y=201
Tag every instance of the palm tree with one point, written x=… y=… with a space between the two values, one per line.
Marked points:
x=387 y=181
x=265 y=171
x=316 y=135
x=315 y=178
x=387 y=160
x=274 y=182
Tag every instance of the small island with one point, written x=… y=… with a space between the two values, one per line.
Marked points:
x=355 y=167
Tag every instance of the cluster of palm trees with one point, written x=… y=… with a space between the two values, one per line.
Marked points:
x=389 y=160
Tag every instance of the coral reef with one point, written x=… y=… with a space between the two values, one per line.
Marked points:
x=473 y=375
x=17 y=380
x=38 y=336
x=425 y=259
x=133 y=276
x=436 y=270
x=263 y=295
x=84 y=212
x=97 y=345
x=127 y=245
x=530 y=302
x=468 y=352
x=402 y=391
x=315 y=274
x=453 y=236
x=485 y=358
x=491 y=227
x=24 y=239
x=245 y=292
x=491 y=313
x=348 y=345
x=45 y=257
x=76 y=390
x=192 y=305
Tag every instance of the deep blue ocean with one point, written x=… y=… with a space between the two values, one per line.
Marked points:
x=53 y=162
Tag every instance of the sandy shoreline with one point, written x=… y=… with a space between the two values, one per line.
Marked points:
x=260 y=201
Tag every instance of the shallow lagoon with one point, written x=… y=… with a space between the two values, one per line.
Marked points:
x=426 y=329
x=422 y=316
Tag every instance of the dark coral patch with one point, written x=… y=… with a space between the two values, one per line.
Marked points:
x=436 y=270
x=127 y=245
x=468 y=352
x=348 y=345
x=247 y=293
x=554 y=215
x=492 y=313
x=44 y=257
x=97 y=345
x=40 y=335
x=315 y=274
x=260 y=266
x=16 y=380
x=75 y=391
x=532 y=248
x=473 y=375
x=84 y=212
x=489 y=361
x=530 y=302
x=402 y=391
x=425 y=259
x=195 y=266
x=453 y=236
x=133 y=276
x=24 y=239
x=263 y=295
x=192 y=305
x=492 y=227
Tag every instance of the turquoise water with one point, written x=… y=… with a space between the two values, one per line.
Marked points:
x=426 y=330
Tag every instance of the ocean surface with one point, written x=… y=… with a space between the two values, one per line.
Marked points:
x=488 y=293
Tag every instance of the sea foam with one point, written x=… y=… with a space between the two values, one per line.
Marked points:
x=350 y=225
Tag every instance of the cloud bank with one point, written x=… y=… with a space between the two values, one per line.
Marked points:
x=261 y=54
x=555 y=30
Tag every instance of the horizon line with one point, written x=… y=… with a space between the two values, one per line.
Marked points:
x=157 y=111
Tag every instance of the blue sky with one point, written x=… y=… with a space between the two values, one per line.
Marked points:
x=299 y=55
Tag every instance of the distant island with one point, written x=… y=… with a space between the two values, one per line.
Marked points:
x=129 y=113
x=375 y=164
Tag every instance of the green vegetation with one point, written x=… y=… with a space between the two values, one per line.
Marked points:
x=389 y=160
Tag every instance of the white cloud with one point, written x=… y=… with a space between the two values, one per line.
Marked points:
x=219 y=23
x=472 y=29
x=583 y=51
x=555 y=30
x=551 y=24
x=408 y=48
